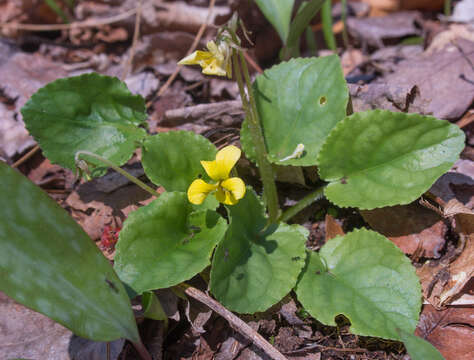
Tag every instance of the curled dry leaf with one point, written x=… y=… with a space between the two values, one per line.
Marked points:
x=443 y=283
x=450 y=331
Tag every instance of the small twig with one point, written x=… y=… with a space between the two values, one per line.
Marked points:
x=325 y=348
x=73 y=25
x=136 y=35
x=191 y=49
x=141 y=349
x=235 y=321
x=26 y=156
x=191 y=113
x=252 y=63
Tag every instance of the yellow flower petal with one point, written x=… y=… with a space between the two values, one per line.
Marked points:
x=212 y=170
x=198 y=190
x=220 y=168
x=197 y=58
x=225 y=197
x=215 y=67
x=226 y=159
x=235 y=186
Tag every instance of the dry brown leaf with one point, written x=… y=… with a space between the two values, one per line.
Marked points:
x=373 y=31
x=333 y=228
x=93 y=208
x=448 y=38
x=413 y=228
x=380 y=7
x=461 y=271
x=442 y=78
x=350 y=59
x=450 y=331
x=21 y=75
x=442 y=282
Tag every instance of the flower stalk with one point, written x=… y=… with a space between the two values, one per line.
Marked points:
x=250 y=108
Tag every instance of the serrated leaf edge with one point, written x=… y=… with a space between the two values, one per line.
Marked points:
x=348 y=204
x=403 y=258
x=55 y=83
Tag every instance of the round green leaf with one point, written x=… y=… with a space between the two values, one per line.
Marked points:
x=299 y=102
x=165 y=243
x=254 y=268
x=49 y=264
x=172 y=159
x=365 y=277
x=381 y=158
x=89 y=112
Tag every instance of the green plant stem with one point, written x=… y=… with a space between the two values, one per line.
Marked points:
x=57 y=9
x=264 y=166
x=447 y=7
x=311 y=41
x=303 y=203
x=117 y=169
x=326 y=18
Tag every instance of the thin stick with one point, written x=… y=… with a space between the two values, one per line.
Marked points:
x=235 y=321
x=117 y=169
x=191 y=49
x=136 y=35
x=26 y=156
x=253 y=63
x=74 y=25
x=141 y=349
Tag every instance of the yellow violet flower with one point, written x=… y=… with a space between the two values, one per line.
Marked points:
x=227 y=190
x=216 y=61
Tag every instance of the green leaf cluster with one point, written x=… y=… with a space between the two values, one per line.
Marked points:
x=370 y=159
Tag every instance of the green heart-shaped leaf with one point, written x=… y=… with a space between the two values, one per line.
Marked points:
x=299 y=102
x=254 y=268
x=49 y=264
x=365 y=277
x=381 y=158
x=89 y=112
x=165 y=243
x=418 y=348
x=172 y=159
x=278 y=13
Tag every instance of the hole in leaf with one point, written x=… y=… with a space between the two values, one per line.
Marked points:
x=322 y=100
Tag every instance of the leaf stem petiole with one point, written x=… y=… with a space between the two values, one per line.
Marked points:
x=312 y=197
x=116 y=168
